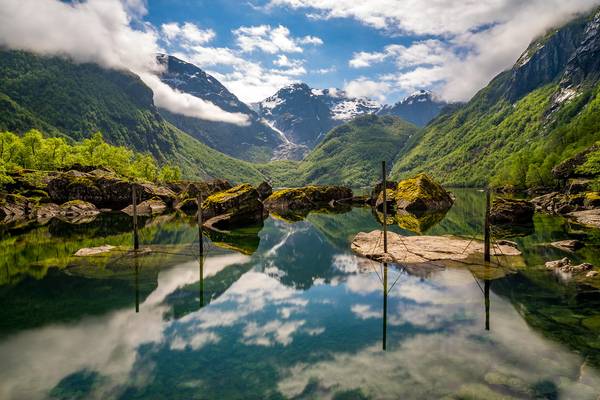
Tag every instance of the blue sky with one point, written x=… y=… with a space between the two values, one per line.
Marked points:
x=382 y=49
x=341 y=37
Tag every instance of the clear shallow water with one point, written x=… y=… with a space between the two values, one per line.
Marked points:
x=286 y=311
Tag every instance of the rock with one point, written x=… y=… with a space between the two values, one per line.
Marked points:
x=147 y=208
x=92 y=251
x=587 y=217
x=47 y=211
x=579 y=185
x=264 y=190
x=15 y=207
x=422 y=249
x=419 y=222
x=568 y=245
x=241 y=204
x=306 y=198
x=420 y=194
x=390 y=200
x=188 y=206
x=568 y=168
x=106 y=191
x=558 y=263
x=378 y=189
x=510 y=211
x=591 y=200
x=591 y=274
x=507 y=243
x=75 y=208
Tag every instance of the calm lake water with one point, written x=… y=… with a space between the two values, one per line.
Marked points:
x=286 y=311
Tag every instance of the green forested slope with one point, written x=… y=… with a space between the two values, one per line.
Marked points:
x=543 y=110
x=62 y=98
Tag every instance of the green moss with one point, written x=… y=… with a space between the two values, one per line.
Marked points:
x=592 y=323
x=421 y=187
x=221 y=197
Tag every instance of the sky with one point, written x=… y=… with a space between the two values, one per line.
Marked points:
x=382 y=49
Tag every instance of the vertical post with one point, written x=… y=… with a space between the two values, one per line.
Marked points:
x=136 y=241
x=486 y=246
x=200 y=222
x=137 y=285
x=384 y=183
x=201 y=261
x=385 y=298
x=486 y=294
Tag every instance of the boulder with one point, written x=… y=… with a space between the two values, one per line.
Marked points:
x=264 y=190
x=147 y=208
x=188 y=206
x=390 y=195
x=15 y=207
x=78 y=208
x=306 y=198
x=47 y=211
x=591 y=200
x=511 y=211
x=420 y=194
x=564 y=265
x=568 y=245
x=378 y=189
x=103 y=190
x=93 y=251
x=241 y=204
x=419 y=222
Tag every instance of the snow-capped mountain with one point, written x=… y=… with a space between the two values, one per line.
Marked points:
x=256 y=142
x=419 y=108
x=304 y=115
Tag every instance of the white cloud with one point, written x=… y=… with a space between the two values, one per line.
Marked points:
x=100 y=31
x=271 y=40
x=364 y=87
x=189 y=33
x=477 y=39
x=283 y=61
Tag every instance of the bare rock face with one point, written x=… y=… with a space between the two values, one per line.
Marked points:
x=306 y=198
x=420 y=194
x=510 y=211
x=14 y=207
x=587 y=217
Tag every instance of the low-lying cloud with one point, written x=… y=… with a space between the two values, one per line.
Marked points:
x=101 y=32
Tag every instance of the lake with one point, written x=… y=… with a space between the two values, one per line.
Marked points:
x=286 y=311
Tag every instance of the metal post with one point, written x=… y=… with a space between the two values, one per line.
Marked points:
x=137 y=285
x=486 y=294
x=385 y=298
x=384 y=182
x=136 y=241
x=200 y=222
x=486 y=246
x=201 y=258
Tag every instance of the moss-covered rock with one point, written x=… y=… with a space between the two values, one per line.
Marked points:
x=150 y=207
x=511 y=211
x=420 y=194
x=14 y=207
x=420 y=222
x=306 y=198
x=264 y=190
x=241 y=205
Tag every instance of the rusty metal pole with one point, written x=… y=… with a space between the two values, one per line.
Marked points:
x=136 y=241
x=486 y=245
x=384 y=183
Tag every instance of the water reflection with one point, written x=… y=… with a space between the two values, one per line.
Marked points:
x=299 y=316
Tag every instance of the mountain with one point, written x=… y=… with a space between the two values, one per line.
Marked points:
x=255 y=142
x=419 y=108
x=304 y=115
x=60 y=97
x=514 y=131
x=349 y=154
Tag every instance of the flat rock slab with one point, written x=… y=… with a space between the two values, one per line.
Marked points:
x=587 y=217
x=423 y=249
x=92 y=251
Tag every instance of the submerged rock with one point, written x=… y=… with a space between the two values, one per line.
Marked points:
x=419 y=222
x=306 y=198
x=422 y=193
x=92 y=251
x=568 y=245
x=564 y=265
x=511 y=211
x=238 y=205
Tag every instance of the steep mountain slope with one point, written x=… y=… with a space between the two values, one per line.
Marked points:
x=255 y=142
x=546 y=108
x=60 y=97
x=304 y=115
x=350 y=154
x=419 y=108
